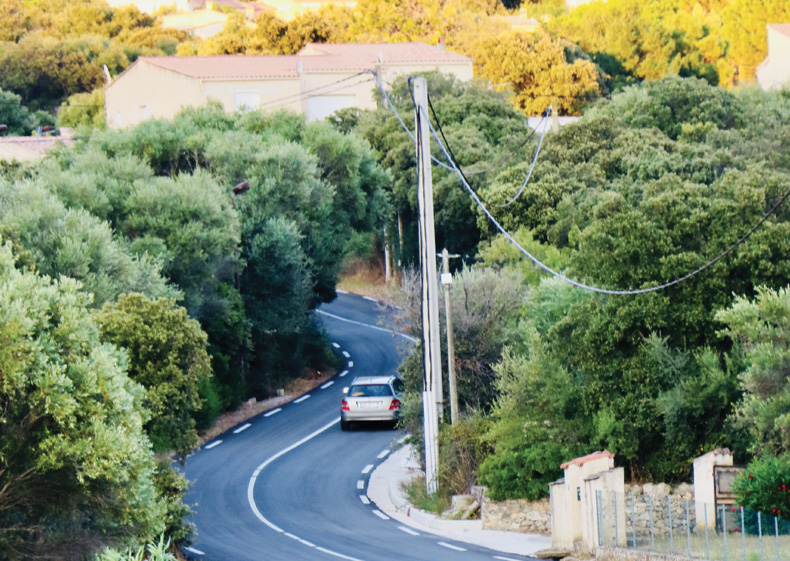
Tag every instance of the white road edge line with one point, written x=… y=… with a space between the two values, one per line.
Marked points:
x=329 y=383
x=403 y=439
x=213 y=444
x=365 y=500
x=376 y=327
x=505 y=558
x=408 y=531
x=450 y=546
x=343 y=373
x=243 y=427
x=360 y=484
x=272 y=412
x=368 y=468
x=307 y=543
x=369 y=299
x=341 y=291
x=335 y=345
x=336 y=554
x=301 y=399
x=195 y=551
x=381 y=515
x=345 y=354
x=383 y=454
x=251 y=484
x=290 y=535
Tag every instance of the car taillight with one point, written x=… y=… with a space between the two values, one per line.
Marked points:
x=395 y=404
x=344 y=406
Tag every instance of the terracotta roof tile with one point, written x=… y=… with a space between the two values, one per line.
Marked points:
x=314 y=57
x=366 y=55
x=783 y=28
x=24 y=148
x=589 y=457
x=229 y=66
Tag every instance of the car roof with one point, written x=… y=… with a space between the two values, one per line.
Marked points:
x=370 y=380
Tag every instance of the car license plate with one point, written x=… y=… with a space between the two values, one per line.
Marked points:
x=370 y=405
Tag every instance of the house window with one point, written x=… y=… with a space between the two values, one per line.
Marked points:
x=246 y=100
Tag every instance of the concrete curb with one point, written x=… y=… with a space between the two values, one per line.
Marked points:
x=385 y=490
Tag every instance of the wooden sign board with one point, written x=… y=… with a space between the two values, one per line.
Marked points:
x=723 y=479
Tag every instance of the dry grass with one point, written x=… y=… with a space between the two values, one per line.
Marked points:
x=361 y=278
x=250 y=408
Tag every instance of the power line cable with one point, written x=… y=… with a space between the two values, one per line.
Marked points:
x=302 y=94
x=534 y=161
x=554 y=273
x=405 y=128
x=439 y=126
x=513 y=152
x=306 y=95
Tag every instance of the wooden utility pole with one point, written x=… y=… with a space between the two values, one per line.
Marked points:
x=432 y=394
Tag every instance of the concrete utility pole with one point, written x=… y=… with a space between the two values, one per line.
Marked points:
x=447 y=280
x=555 y=121
x=432 y=394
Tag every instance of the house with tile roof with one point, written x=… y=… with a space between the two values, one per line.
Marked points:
x=28 y=148
x=289 y=9
x=317 y=81
x=774 y=71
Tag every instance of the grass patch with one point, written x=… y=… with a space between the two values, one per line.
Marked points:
x=419 y=497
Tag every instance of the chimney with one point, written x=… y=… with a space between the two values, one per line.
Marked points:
x=440 y=44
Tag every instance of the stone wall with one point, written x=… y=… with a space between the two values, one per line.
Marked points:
x=665 y=499
x=532 y=517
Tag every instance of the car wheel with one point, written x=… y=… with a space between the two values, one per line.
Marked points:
x=344 y=425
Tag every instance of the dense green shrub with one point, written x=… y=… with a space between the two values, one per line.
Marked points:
x=525 y=473
x=765 y=486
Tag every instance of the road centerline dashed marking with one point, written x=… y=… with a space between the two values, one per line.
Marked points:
x=381 y=515
x=383 y=453
x=195 y=551
x=360 y=484
x=242 y=428
x=213 y=444
x=301 y=399
x=272 y=412
x=365 y=500
x=351 y=364
x=451 y=546
x=335 y=345
x=368 y=468
x=345 y=354
x=329 y=383
x=408 y=531
x=343 y=373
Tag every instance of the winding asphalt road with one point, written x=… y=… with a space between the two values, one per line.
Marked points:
x=290 y=485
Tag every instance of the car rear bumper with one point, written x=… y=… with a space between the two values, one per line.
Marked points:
x=369 y=415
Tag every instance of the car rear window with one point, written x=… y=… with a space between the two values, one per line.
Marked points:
x=370 y=390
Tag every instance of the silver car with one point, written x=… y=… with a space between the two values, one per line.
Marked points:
x=371 y=398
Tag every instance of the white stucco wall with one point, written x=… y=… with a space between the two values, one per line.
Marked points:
x=704 y=486
x=774 y=72
x=147 y=91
